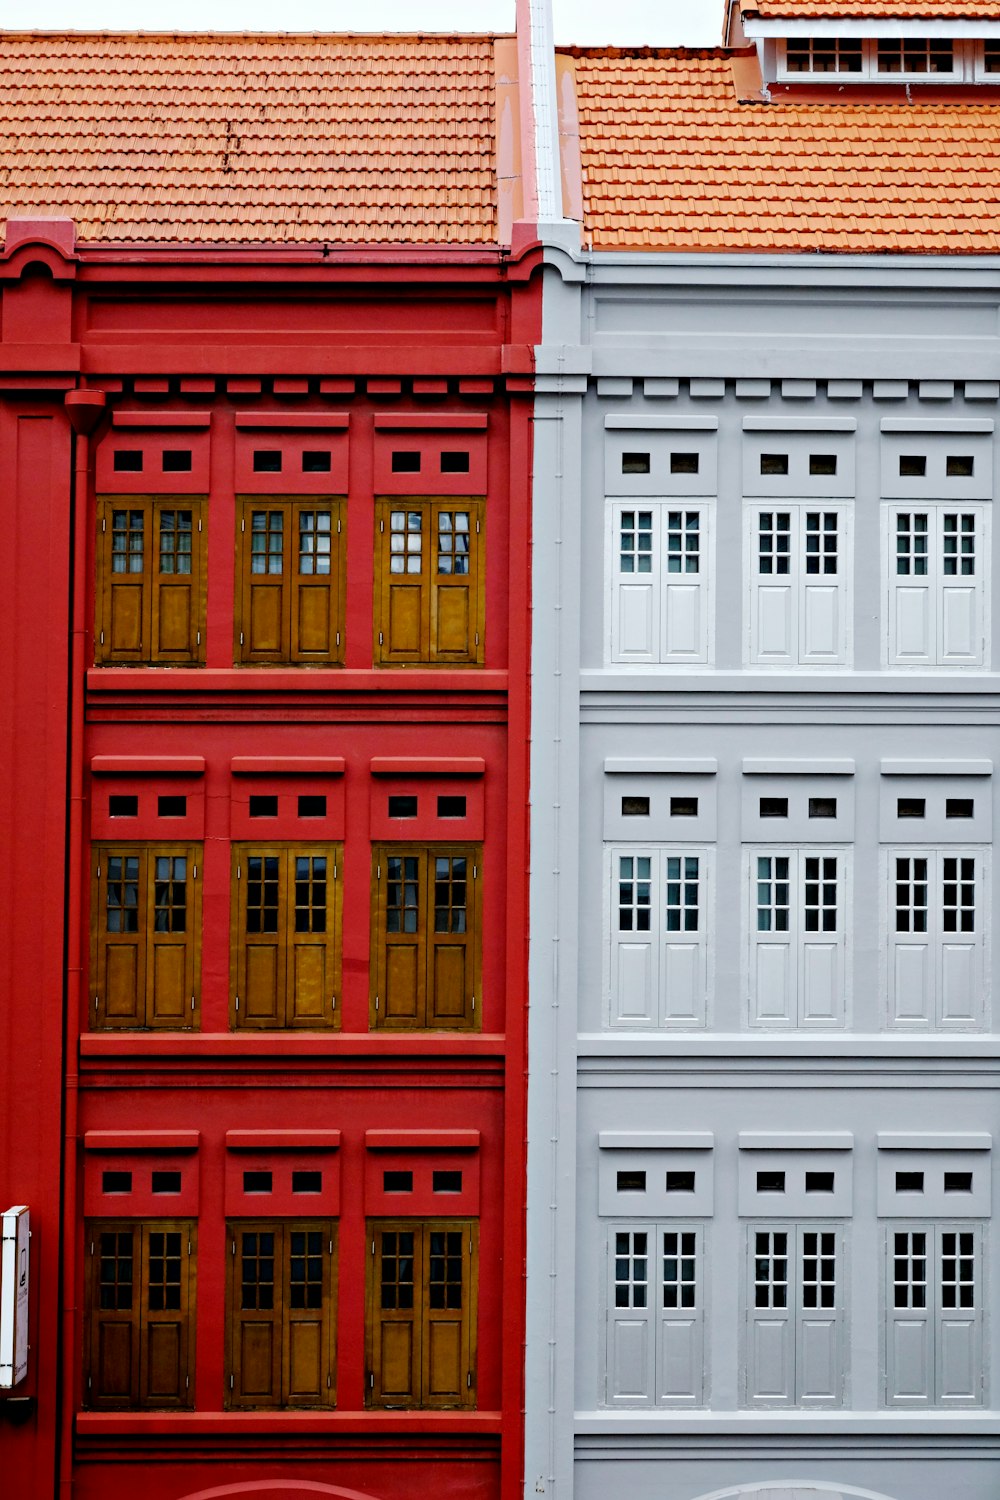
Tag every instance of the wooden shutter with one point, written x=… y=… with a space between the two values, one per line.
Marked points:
x=399 y=934
x=450 y=1280
x=281 y=1314
x=422 y=1291
x=427 y=947
x=125 y=543
x=286 y=935
x=140 y=1315
x=114 y=1299
x=173 y=925
x=395 y=1272
x=402 y=582
x=256 y=1282
x=145 y=935
x=316 y=581
x=167 y=1314
x=263 y=560
x=453 y=946
x=177 y=587
x=456 y=625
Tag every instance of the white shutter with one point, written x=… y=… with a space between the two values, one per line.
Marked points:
x=770 y=551
x=958 y=1334
x=909 y=1315
x=631 y=1283
x=636 y=570
x=960 y=915
x=680 y=1316
x=818 y=1377
x=822 y=560
x=772 y=922
x=820 y=895
x=961 y=559
x=910 y=880
x=683 y=914
x=911 y=548
x=770 y=1372
x=685 y=561
x=636 y=920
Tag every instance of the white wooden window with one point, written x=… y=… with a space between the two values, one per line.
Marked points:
x=660 y=582
x=936 y=556
x=799 y=557
x=794 y=1298
x=656 y=1323
x=934 y=1315
x=797 y=920
x=660 y=912
x=935 y=923
x=915 y=59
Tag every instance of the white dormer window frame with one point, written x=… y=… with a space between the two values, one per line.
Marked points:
x=974 y=60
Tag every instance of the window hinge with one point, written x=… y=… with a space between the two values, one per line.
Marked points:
x=371 y=1380
x=338 y=637
x=189 y=1247
x=104 y=523
x=199 y=523
x=468 y=1381
x=187 y=1382
x=373 y=1248
x=333 y=1002
x=90 y=1382
x=231 y=1382
x=381 y=638
x=194 y=872
x=91 y=1247
x=330 y=1247
x=329 y=1381
x=376 y=1002
x=237 y=1002
x=473 y=1002
x=477 y=526
x=97 y=1003
x=378 y=872
x=475 y=872
x=232 y=1247
x=239 y=872
x=192 y=1002
x=340 y=525
x=477 y=637
x=241 y=637
x=197 y=637
x=381 y=526
x=243 y=523
x=102 y=637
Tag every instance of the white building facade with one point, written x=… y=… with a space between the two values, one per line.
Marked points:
x=765 y=1047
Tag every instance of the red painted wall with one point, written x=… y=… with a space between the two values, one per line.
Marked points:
x=379 y=339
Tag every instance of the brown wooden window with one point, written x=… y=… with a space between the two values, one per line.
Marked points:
x=139 y=1347
x=286 y=935
x=426 y=939
x=421 y=1313
x=282 y=1298
x=428 y=582
x=290 y=587
x=150 y=591
x=145 y=935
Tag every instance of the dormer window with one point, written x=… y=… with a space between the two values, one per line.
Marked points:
x=823 y=55
x=907 y=56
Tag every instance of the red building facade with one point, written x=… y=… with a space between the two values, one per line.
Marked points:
x=266 y=888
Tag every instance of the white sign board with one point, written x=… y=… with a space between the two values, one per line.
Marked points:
x=14 y=1281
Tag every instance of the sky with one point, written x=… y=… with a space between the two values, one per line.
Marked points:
x=588 y=22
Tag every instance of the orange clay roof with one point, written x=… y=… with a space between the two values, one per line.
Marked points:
x=671 y=161
x=239 y=139
x=873 y=10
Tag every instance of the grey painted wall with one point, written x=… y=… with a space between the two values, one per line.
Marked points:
x=870 y=361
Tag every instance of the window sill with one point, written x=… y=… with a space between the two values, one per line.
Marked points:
x=292 y=679
x=289 y=1423
x=926 y=1423
x=274 y=1044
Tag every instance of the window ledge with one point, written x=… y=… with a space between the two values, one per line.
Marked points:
x=893 y=1046
x=289 y=1423
x=926 y=1423
x=948 y=682
x=271 y=1044
x=292 y=679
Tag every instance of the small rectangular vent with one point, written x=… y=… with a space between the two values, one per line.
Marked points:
x=263 y=807
x=316 y=461
x=446 y=1182
x=456 y=462
x=307 y=1182
x=176 y=460
x=171 y=807
x=166 y=1182
x=402 y=807
x=635 y=463
x=397 y=1182
x=680 y=1182
x=631 y=1182
x=312 y=807
x=405 y=461
x=116 y=1182
x=128 y=461
x=257 y=1182
x=267 y=461
x=123 y=807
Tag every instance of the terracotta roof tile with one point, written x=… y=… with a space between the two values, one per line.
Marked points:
x=870 y=10
x=672 y=161
x=239 y=139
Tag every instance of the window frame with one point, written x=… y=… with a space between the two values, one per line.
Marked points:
x=654 y=1358
x=294 y=585
x=936 y=589
x=669 y=943
x=286 y=944
x=800 y=939
x=936 y=936
x=934 y=1333
x=375 y=1395
x=282 y=1317
x=425 y=995
x=142 y=1320
x=150 y=582
x=967 y=56
x=799 y=590
x=103 y=943
x=431 y=590
x=660 y=652
x=795 y=1316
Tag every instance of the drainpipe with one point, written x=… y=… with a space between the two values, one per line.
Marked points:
x=84 y=410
